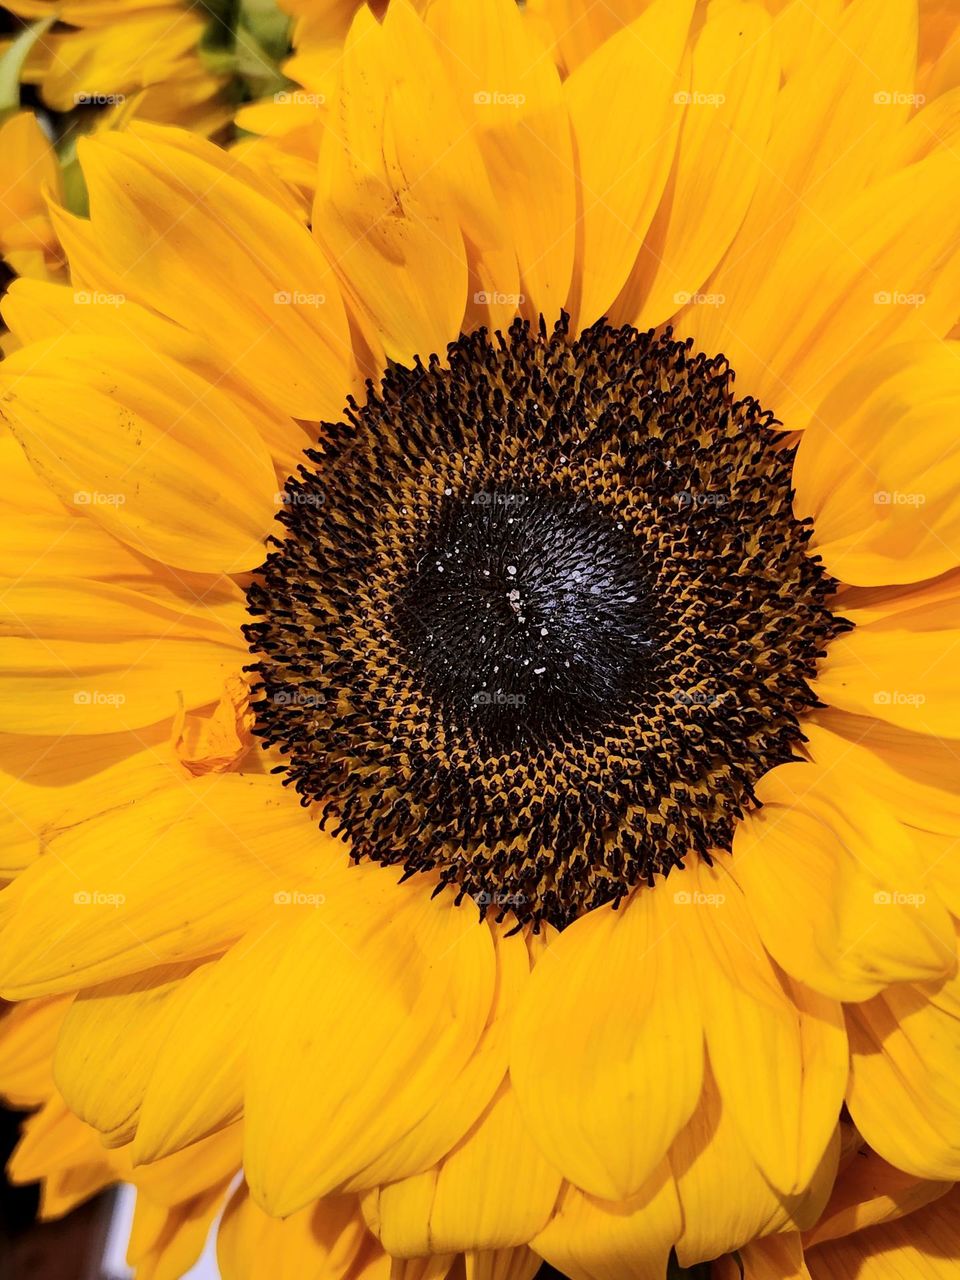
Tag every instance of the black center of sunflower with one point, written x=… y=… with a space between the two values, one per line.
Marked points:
x=528 y=616
x=542 y=617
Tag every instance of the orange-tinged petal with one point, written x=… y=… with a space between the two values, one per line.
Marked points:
x=923 y=1246
x=870 y=1191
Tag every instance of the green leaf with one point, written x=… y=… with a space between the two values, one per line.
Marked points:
x=11 y=64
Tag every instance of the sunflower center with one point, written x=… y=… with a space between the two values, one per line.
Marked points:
x=541 y=618
x=528 y=616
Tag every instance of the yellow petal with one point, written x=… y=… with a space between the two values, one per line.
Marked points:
x=751 y=1017
x=623 y=170
x=36 y=310
x=915 y=774
x=400 y=255
x=841 y=286
x=30 y=168
x=326 y=1239
x=828 y=138
x=162 y=459
x=28 y=1037
x=726 y=117
x=710 y=1155
x=511 y=92
x=494 y=1190
x=864 y=671
x=590 y=1239
x=923 y=1246
x=804 y=30
x=607 y=1068
x=502 y=1264
x=101 y=1068
x=870 y=1191
x=48 y=785
x=459 y=1106
x=575 y=28
x=98 y=911
x=382 y=994
x=776 y=1257
x=214 y=1161
x=804 y=848
x=195 y=1080
x=91 y=657
x=165 y=220
x=875 y=474
x=166 y=1242
x=904 y=1056
x=65 y=1154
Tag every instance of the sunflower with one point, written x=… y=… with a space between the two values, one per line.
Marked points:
x=463 y=732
